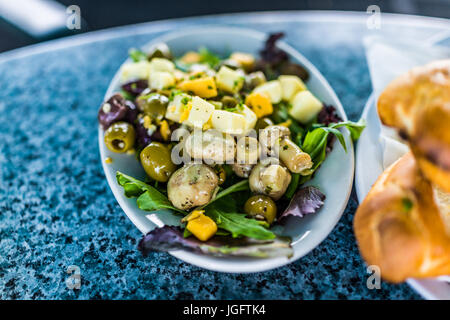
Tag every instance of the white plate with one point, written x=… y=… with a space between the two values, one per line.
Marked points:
x=369 y=165
x=334 y=178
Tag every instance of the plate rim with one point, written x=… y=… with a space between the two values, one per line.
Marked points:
x=266 y=264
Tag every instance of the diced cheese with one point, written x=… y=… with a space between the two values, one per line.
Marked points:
x=228 y=122
x=177 y=106
x=305 y=106
x=200 y=112
x=161 y=64
x=161 y=80
x=260 y=104
x=203 y=87
x=290 y=85
x=246 y=60
x=179 y=75
x=191 y=57
x=229 y=80
x=250 y=117
x=272 y=89
x=201 y=226
x=135 y=70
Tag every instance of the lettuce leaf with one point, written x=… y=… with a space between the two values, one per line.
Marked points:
x=237 y=187
x=306 y=200
x=148 y=197
x=137 y=55
x=169 y=238
x=238 y=225
x=208 y=57
x=315 y=142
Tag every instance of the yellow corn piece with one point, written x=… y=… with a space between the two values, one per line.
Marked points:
x=164 y=130
x=147 y=122
x=187 y=110
x=202 y=87
x=259 y=103
x=201 y=226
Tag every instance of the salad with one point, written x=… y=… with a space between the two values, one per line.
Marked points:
x=226 y=142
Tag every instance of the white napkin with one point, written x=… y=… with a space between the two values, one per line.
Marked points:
x=388 y=59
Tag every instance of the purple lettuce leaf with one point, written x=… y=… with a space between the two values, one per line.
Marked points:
x=169 y=238
x=305 y=201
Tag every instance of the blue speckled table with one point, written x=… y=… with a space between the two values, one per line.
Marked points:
x=56 y=209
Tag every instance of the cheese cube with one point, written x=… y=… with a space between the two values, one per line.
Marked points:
x=161 y=64
x=203 y=87
x=200 y=112
x=290 y=85
x=246 y=60
x=161 y=80
x=176 y=107
x=135 y=70
x=250 y=117
x=228 y=122
x=229 y=80
x=272 y=89
x=260 y=104
x=305 y=106
x=201 y=226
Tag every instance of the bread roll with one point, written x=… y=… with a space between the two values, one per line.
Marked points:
x=403 y=225
x=418 y=105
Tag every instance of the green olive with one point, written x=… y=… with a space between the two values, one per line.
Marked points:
x=229 y=102
x=261 y=208
x=254 y=79
x=119 y=137
x=155 y=158
x=153 y=104
x=262 y=123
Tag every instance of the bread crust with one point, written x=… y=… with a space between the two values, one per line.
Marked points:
x=399 y=226
x=418 y=105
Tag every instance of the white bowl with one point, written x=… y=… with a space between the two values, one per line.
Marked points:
x=334 y=178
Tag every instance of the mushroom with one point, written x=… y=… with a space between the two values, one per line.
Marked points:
x=247 y=154
x=212 y=146
x=192 y=185
x=270 y=136
x=242 y=170
x=293 y=157
x=270 y=178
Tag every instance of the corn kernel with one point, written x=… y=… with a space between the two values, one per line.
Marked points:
x=164 y=130
x=147 y=122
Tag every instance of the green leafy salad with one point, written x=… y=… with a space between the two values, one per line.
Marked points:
x=226 y=142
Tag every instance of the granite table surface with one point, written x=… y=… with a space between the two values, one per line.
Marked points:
x=56 y=209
